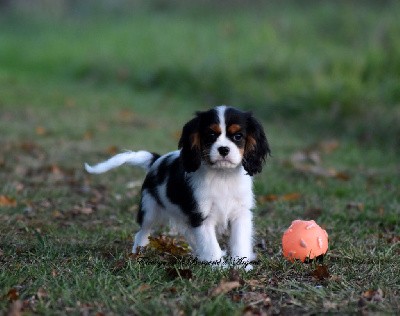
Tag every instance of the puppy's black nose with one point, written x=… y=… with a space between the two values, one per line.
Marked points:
x=223 y=151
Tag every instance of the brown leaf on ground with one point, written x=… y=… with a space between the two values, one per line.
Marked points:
x=12 y=294
x=88 y=135
x=321 y=272
x=6 y=201
x=373 y=295
x=144 y=287
x=83 y=210
x=126 y=116
x=224 y=287
x=254 y=283
x=119 y=265
x=328 y=146
x=320 y=171
x=291 y=196
x=166 y=244
x=288 y=197
x=40 y=131
x=309 y=161
x=268 y=198
x=234 y=275
x=355 y=205
x=112 y=150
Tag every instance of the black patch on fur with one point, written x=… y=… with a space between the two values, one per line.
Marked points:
x=154 y=159
x=180 y=192
x=253 y=159
x=191 y=155
x=234 y=116
x=140 y=214
x=153 y=179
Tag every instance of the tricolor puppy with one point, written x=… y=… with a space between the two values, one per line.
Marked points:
x=205 y=186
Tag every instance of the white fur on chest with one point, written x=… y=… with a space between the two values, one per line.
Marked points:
x=222 y=194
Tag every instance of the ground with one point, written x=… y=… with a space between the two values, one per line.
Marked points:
x=322 y=78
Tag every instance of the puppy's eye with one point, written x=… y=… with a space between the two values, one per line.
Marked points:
x=237 y=137
x=212 y=136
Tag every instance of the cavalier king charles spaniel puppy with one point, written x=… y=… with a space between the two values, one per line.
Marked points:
x=203 y=187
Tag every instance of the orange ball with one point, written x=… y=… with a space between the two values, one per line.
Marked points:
x=304 y=240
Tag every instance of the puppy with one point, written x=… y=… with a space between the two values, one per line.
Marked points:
x=205 y=186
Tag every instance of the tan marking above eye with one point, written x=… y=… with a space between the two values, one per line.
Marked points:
x=234 y=128
x=216 y=128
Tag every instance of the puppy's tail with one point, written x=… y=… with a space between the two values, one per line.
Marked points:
x=143 y=159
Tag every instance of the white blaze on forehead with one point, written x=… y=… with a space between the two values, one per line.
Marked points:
x=221 y=116
x=234 y=156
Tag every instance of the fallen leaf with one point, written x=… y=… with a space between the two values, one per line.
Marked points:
x=88 y=135
x=291 y=196
x=13 y=294
x=112 y=150
x=165 y=244
x=355 y=205
x=328 y=146
x=234 y=275
x=144 y=287
x=172 y=290
x=268 y=198
x=306 y=157
x=83 y=210
x=57 y=215
x=373 y=295
x=253 y=283
x=126 y=116
x=342 y=176
x=86 y=210
x=40 y=130
x=321 y=272
x=288 y=197
x=309 y=161
x=224 y=287
x=6 y=201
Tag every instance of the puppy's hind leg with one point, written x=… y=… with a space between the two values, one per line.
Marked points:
x=148 y=217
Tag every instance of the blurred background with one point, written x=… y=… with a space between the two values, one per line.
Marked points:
x=317 y=67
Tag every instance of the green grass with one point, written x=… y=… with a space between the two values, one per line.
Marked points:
x=80 y=87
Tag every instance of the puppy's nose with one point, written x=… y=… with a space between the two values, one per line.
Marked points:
x=223 y=151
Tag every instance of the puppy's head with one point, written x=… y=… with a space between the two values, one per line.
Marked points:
x=224 y=138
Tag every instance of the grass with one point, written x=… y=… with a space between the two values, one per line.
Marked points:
x=80 y=88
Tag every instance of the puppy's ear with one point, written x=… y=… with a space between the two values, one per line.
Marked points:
x=189 y=144
x=256 y=148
